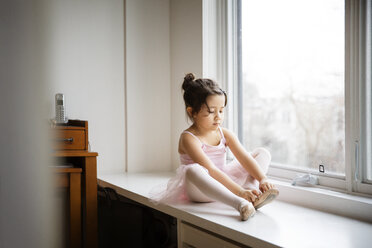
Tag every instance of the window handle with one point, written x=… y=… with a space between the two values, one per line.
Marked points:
x=70 y=140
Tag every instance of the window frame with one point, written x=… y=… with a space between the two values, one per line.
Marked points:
x=357 y=105
x=357 y=85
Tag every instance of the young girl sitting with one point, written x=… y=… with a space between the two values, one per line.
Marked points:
x=204 y=175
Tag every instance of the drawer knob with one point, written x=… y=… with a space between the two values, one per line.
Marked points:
x=70 y=140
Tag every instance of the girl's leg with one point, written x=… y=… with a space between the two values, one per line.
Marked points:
x=263 y=158
x=201 y=187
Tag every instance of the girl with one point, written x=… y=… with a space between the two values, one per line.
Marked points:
x=204 y=175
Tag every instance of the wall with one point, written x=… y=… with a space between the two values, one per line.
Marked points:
x=148 y=85
x=26 y=217
x=78 y=48
x=122 y=71
x=186 y=56
x=84 y=56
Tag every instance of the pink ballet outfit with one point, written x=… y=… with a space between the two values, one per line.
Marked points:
x=176 y=187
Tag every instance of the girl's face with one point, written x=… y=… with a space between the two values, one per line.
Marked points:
x=210 y=119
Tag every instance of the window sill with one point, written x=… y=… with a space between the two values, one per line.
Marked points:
x=278 y=224
x=353 y=206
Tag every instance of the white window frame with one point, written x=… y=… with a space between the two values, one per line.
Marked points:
x=219 y=38
x=357 y=97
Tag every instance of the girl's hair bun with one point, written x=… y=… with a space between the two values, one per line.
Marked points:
x=189 y=77
x=187 y=80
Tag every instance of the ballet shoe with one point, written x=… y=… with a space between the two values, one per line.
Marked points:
x=265 y=198
x=246 y=211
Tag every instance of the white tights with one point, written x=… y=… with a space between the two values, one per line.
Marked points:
x=201 y=187
x=263 y=158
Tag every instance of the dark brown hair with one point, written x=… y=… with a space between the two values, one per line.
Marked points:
x=196 y=91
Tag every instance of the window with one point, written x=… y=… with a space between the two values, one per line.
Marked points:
x=292 y=82
x=301 y=83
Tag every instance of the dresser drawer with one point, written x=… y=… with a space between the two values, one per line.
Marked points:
x=192 y=236
x=70 y=139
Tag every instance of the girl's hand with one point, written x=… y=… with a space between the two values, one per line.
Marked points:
x=265 y=185
x=249 y=195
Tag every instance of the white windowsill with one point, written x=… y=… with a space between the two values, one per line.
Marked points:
x=279 y=224
x=353 y=206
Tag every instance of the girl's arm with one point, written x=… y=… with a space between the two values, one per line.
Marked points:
x=192 y=147
x=246 y=160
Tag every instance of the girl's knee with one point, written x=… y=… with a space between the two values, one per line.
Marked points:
x=194 y=169
x=263 y=158
x=261 y=151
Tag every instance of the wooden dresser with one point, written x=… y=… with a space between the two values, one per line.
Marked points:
x=71 y=148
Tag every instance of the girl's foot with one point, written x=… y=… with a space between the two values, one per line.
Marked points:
x=246 y=210
x=265 y=198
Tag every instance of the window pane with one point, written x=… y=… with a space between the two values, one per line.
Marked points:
x=293 y=81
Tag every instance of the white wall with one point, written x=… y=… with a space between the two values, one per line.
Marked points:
x=148 y=85
x=186 y=56
x=26 y=212
x=77 y=48
x=123 y=73
x=164 y=42
x=85 y=61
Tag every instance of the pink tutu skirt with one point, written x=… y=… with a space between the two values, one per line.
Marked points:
x=175 y=190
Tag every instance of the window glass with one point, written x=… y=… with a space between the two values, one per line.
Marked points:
x=292 y=55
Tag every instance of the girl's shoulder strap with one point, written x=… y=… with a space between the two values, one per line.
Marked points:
x=222 y=136
x=193 y=135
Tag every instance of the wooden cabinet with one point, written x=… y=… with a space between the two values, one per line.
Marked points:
x=70 y=178
x=71 y=136
x=71 y=148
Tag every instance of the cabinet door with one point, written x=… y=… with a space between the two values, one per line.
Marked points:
x=190 y=236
